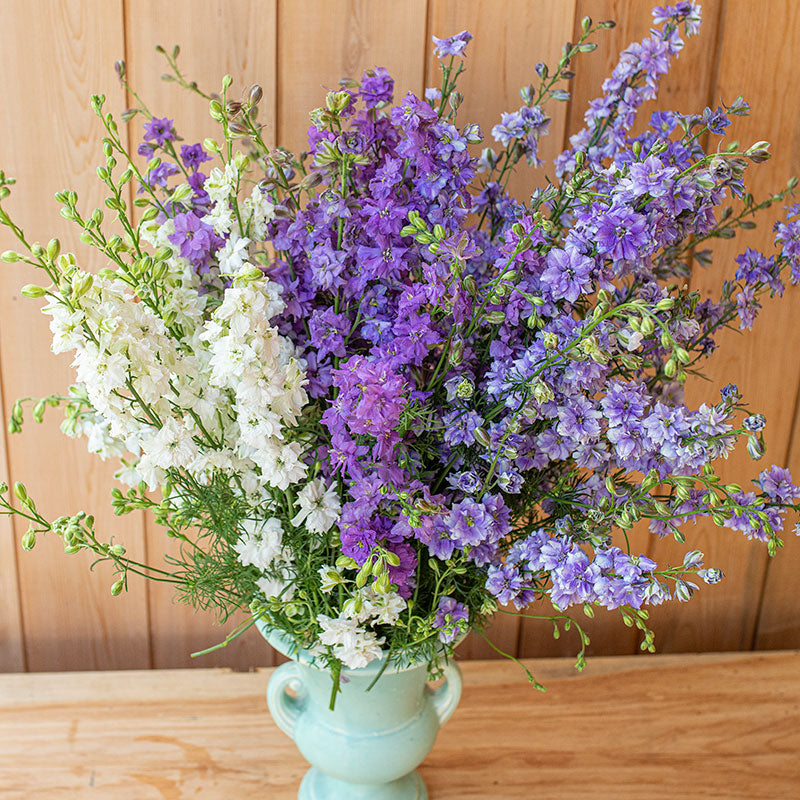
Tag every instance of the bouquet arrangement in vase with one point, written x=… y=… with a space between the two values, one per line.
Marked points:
x=374 y=396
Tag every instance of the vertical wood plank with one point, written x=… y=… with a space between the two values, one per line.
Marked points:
x=509 y=39
x=316 y=48
x=724 y=617
x=12 y=655
x=237 y=37
x=58 y=53
x=773 y=374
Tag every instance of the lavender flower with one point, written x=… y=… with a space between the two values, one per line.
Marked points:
x=451 y=46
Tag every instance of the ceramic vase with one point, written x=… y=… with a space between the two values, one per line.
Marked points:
x=369 y=746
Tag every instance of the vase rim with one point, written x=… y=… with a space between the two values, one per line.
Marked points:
x=287 y=647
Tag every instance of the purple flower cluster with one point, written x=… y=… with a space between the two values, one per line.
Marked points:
x=496 y=385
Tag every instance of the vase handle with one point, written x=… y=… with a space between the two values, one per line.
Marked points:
x=284 y=708
x=445 y=698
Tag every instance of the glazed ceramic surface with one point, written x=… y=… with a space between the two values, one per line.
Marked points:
x=369 y=746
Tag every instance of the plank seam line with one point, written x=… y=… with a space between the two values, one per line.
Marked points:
x=132 y=196
x=15 y=554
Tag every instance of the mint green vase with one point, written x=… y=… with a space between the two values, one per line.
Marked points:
x=369 y=746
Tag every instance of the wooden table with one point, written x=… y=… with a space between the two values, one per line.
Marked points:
x=667 y=727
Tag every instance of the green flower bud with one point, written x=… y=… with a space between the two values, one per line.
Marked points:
x=20 y=491
x=215 y=110
x=117 y=587
x=32 y=290
x=482 y=437
x=29 y=540
x=11 y=256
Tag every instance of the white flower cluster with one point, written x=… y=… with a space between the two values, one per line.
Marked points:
x=226 y=212
x=183 y=376
x=351 y=644
x=354 y=645
x=257 y=365
x=202 y=395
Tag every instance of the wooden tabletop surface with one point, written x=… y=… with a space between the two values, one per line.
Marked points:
x=667 y=727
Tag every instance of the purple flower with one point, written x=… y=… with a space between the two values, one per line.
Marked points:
x=776 y=483
x=159 y=176
x=452 y=46
x=621 y=232
x=196 y=239
x=328 y=330
x=451 y=619
x=508 y=585
x=651 y=177
x=193 y=156
x=566 y=274
x=747 y=307
x=579 y=420
x=469 y=523
x=377 y=87
x=159 y=130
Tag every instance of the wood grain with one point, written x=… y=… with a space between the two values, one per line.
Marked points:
x=724 y=617
x=770 y=359
x=708 y=726
x=58 y=53
x=216 y=37
x=355 y=35
x=12 y=652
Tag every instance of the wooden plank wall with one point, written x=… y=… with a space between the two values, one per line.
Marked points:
x=54 y=53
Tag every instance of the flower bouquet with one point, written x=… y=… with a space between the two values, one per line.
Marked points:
x=375 y=397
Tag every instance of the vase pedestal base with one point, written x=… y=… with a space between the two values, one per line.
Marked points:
x=318 y=786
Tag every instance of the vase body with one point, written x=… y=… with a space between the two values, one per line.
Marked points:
x=369 y=746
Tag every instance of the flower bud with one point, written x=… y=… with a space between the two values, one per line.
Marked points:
x=482 y=437
x=117 y=587
x=255 y=94
x=29 y=540
x=32 y=290
x=11 y=256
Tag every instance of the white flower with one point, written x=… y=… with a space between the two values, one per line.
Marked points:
x=260 y=208
x=320 y=507
x=260 y=544
x=220 y=184
x=352 y=645
x=171 y=446
x=233 y=256
x=278 y=588
x=384 y=609
x=281 y=467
